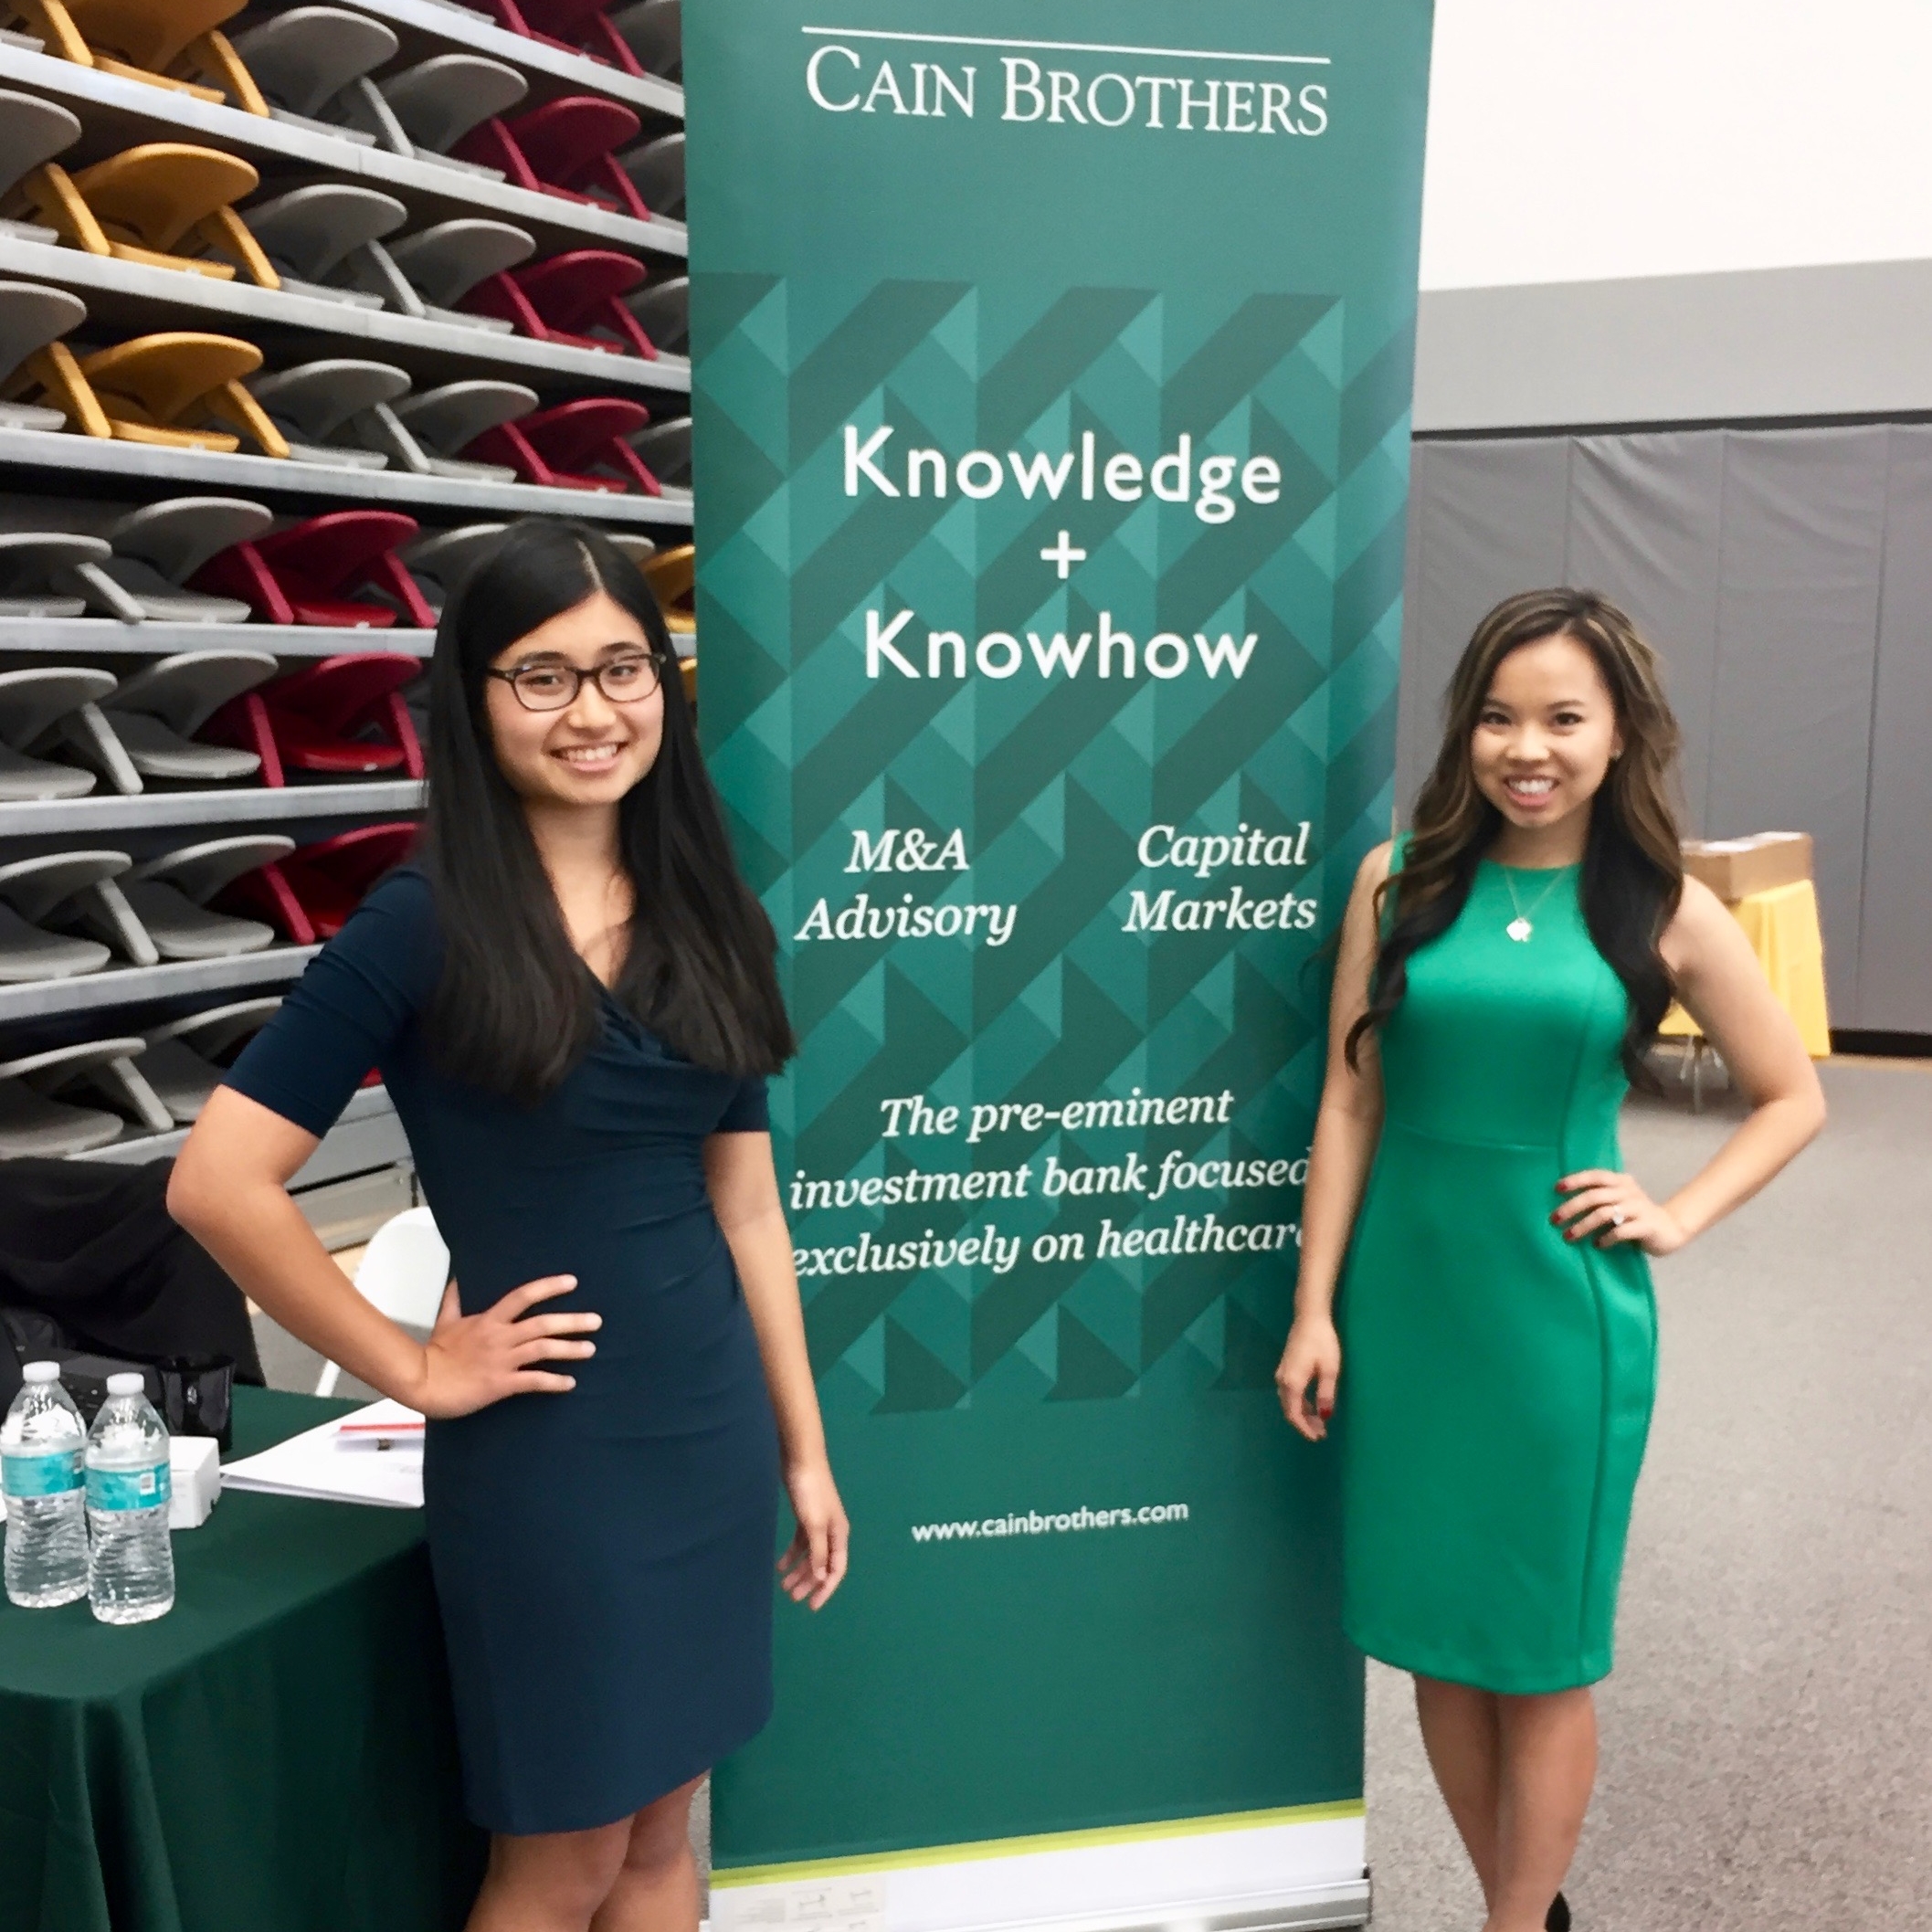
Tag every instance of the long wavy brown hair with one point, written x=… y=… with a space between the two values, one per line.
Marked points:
x=1634 y=862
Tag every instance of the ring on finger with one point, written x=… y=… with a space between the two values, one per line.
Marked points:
x=1617 y=1217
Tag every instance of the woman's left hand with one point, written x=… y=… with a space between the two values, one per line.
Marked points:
x=814 y=1567
x=1614 y=1208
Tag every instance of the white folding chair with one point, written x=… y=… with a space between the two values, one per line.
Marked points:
x=403 y=1273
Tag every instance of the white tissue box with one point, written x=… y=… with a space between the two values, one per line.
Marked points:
x=195 y=1469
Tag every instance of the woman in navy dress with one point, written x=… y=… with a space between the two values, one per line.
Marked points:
x=574 y=1005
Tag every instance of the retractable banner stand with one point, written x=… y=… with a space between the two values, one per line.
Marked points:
x=1051 y=374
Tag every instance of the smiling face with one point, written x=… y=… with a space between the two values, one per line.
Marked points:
x=1545 y=735
x=593 y=749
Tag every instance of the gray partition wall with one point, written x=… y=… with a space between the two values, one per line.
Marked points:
x=1786 y=578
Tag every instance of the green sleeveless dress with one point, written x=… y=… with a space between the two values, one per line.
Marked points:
x=1497 y=1382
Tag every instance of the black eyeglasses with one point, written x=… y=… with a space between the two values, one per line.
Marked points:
x=555 y=687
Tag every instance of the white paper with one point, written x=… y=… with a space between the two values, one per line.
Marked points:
x=315 y=1464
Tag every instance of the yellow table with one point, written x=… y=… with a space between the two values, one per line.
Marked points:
x=1782 y=926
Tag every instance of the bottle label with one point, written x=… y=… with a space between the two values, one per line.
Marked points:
x=53 y=1472
x=128 y=1488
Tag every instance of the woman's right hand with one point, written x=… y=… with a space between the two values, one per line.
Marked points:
x=474 y=1360
x=1314 y=1354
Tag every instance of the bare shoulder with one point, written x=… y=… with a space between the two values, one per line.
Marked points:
x=1375 y=869
x=1701 y=917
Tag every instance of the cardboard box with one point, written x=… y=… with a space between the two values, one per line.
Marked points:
x=1735 y=867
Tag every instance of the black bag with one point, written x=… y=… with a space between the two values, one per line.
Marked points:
x=92 y=1265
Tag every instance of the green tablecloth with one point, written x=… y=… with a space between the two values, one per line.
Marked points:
x=275 y=1755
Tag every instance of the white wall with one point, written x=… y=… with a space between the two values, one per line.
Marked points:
x=1577 y=140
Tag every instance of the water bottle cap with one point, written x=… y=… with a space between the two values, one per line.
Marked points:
x=121 y=1385
x=40 y=1372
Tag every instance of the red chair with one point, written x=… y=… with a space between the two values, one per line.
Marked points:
x=579 y=26
x=556 y=300
x=566 y=148
x=297 y=575
x=307 y=895
x=582 y=26
x=558 y=447
x=307 y=722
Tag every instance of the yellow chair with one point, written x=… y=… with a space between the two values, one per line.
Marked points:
x=671 y=574
x=160 y=389
x=160 y=42
x=138 y=205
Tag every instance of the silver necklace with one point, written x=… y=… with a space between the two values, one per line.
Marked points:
x=1520 y=929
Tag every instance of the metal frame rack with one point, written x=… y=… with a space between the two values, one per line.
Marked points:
x=84 y=477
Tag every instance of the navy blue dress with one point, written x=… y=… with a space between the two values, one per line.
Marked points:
x=603 y=1558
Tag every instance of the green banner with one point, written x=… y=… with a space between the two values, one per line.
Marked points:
x=1052 y=381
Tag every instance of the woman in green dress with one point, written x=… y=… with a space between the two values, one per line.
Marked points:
x=1473 y=1309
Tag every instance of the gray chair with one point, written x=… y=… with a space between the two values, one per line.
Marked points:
x=304 y=58
x=638 y=549
x=33 y=705
x=443 y=564
x=33 y=1121
x=442 y=421
x=183 y=1063
x=427 y=109
x=28 y=561
x=169 y=896
x=443 y=263
x=311 y=405
x=657 y=171
x=155 y=713
x=66 y=894
x=663 y=311
x=666 y=448
x=319 y=239
x=156 y=549
x=655 y=31
x=32 y=131
x=31 y=317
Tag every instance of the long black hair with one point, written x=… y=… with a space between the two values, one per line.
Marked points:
x=1632 y=873
x=515 y=1008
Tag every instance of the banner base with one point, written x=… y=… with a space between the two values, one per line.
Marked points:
x=1295 y=1870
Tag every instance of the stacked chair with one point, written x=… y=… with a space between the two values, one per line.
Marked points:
x=159 y=389
x=156 y=549
x=579 y=26
x=656 y=173
x=306 y=59
x=663 y=310
x=319 y=238
x=44 y=1099
x=302 y=574
x=164 y=43
x=32 y=131
x=316 y=404
x=429 y=431
x=183 y=1062
x=653 y=31
x=425 y=110
x=35 y=706
x=33 y=319
x=307 y=895
x=564 y=296
x=340 y=717
x=568 y=147
x=142 y=204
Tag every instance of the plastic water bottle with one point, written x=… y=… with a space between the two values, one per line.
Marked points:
x=130 y=1568
x=42 y=1444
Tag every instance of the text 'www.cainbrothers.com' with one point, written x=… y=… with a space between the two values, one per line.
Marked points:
x=1033 y=1524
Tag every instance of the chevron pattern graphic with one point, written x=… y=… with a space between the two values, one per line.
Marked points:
x=919 y=1296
